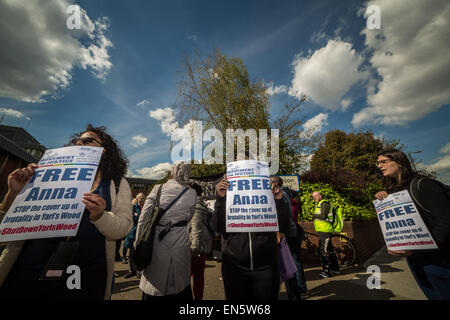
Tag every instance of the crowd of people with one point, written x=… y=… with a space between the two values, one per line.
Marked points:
x=250 y=262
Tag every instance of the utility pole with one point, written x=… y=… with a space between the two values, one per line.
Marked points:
x=411 y=160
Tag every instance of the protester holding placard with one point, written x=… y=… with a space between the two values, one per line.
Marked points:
x=249 y=259
x=431 y=268
x=106 y=218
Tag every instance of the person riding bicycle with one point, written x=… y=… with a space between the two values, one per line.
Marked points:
x=322 y=224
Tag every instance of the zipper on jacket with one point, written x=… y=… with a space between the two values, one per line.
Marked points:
x=251 y=250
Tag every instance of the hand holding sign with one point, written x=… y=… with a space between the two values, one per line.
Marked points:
x=16 y=181
x=400 y=253
x=381 y=195
x=19 y=178
x=276 y=190
x=95 y=204
x=222 y=187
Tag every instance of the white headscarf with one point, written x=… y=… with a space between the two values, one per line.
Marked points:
x=181 y=172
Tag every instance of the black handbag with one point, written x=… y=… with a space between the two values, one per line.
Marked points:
x=144 y=244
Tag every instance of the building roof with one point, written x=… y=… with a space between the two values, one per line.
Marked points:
x=141 y=180
x=12 y=148
x=21 y=137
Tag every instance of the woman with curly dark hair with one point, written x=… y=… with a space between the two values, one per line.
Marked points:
x=431 y=268
x=113 y=164
x=107 y=217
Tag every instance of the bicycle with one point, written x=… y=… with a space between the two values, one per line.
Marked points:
x=343 y=248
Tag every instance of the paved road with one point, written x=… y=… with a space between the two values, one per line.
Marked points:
x=397 y=282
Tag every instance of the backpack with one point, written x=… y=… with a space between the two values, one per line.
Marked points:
x=338 y=219
x=414 y=188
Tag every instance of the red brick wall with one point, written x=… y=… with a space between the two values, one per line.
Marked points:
x=366 y=236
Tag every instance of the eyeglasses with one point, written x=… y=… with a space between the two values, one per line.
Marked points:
x=382 y=162
x=85 y=140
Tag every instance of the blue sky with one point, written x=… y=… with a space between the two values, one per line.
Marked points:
x=123 y=63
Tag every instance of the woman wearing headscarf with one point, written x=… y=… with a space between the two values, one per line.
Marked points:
x=168 y=276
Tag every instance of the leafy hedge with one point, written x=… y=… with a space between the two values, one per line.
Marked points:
x=360 y=209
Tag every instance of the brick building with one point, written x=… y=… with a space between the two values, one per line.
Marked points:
x=17 y=149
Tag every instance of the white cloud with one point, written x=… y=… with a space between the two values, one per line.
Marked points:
x=156 y=172
x=167 y=118
x=143 y=103
x=138 y=140
x=410 y=54
x=445 y=149
x=314 y=125
x=38 y=52
x=13 y=113
x=272 y=90
x=326 y=75
x=345 y=103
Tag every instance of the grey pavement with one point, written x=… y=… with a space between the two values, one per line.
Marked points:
x=396 y=282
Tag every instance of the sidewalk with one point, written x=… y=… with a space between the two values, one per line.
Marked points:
x=397 y=282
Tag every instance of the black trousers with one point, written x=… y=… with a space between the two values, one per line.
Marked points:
x=259 y=284
x=327 y=254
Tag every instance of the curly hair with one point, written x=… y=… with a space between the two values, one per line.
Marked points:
x=113 y=164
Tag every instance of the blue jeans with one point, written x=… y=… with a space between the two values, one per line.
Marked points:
x=432 y=274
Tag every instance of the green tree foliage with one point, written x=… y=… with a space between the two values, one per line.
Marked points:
x=219 y=91
x=295 y=146
x=353 y=151
x=352 y=210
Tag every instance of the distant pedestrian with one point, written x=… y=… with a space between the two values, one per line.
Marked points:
x=128 y=243
x=295 y=286
x=430 y=268
x=295 y=242
x=323 y=216
x=201 y=237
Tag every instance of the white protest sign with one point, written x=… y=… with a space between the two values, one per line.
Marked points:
x=292 y=181
x=250 y=203
x=50 y=205
x=401 y=223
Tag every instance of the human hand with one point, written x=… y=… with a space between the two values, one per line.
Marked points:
x=381 y=195
x=19 y=178
x=222 y=187
x=95 y=204
x=277 y=192
x=400 y=253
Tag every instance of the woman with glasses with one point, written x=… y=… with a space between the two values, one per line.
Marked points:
x=431 y=268
x=106 y=218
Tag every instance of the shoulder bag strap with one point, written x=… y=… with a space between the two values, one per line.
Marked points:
x=163 y=211
x=414 y=192
x=176 y=199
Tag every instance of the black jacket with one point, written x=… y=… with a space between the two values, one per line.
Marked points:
x=435 y=199
x=249 y=250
